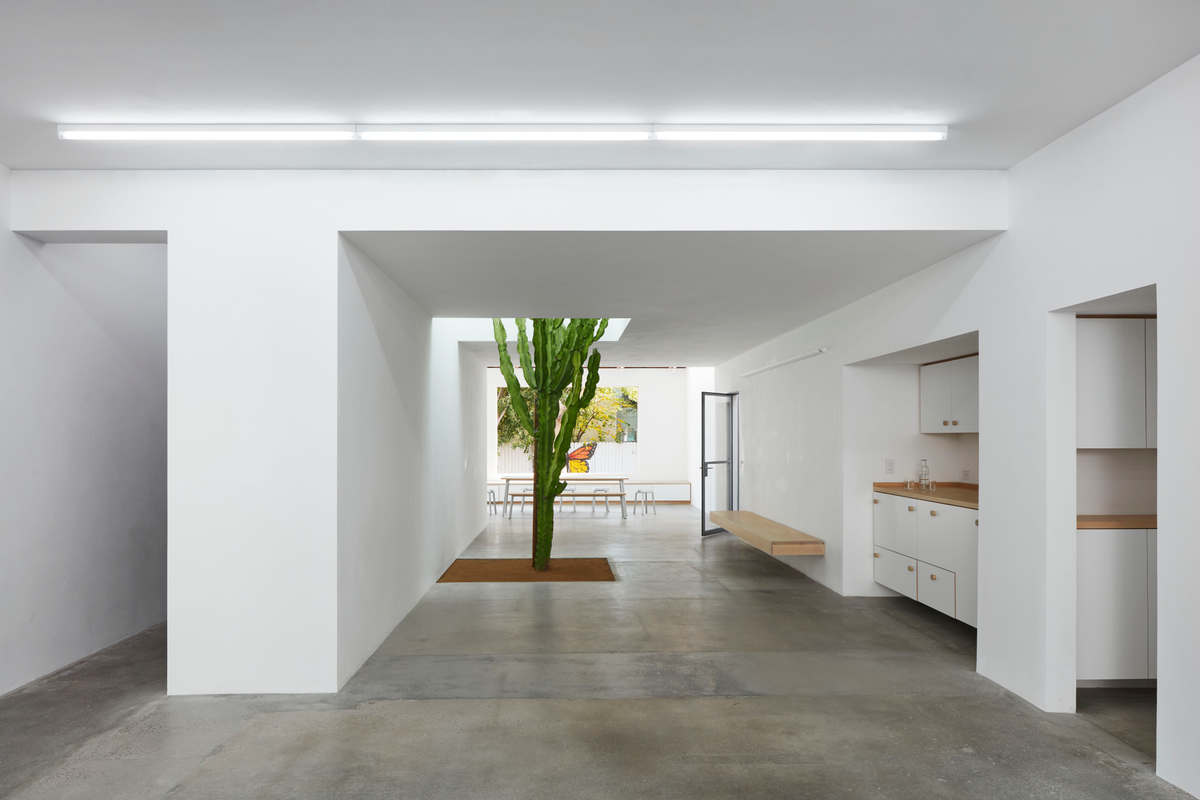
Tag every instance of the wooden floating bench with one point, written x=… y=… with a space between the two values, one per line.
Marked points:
x=768 y=536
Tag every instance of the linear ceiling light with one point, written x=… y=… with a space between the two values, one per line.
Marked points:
x=508 y=133
x=800 y=133
x=505 y=133
x=208 y=133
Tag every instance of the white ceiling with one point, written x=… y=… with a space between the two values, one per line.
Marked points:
x=1135 y=301
x=941 y=350
x=694 y=298
x=1009 y=77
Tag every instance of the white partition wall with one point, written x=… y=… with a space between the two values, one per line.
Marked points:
x=253 y=300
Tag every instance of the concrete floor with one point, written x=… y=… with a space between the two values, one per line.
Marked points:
x=708 y=670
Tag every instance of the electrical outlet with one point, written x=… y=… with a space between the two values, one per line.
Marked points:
x=889 y=465
x=966 y=475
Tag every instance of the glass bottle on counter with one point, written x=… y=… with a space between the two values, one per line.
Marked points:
x=923 y=474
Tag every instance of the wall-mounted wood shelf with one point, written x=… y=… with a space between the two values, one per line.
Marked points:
x=768 y=536
x=1110 y=522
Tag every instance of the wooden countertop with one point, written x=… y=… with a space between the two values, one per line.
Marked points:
x=1111 y=522
x=963 y=495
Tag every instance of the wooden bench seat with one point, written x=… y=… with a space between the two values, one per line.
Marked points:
x=567 y=496
x=768 y=536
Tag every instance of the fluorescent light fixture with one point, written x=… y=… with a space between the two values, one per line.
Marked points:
x=208 y=133
x=791 y=360
x=800 y=133
x=505 y=133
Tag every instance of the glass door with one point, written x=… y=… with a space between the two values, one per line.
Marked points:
x=718 y=457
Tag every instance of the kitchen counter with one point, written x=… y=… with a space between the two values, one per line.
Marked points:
x=1111 y=522
x=964 y=495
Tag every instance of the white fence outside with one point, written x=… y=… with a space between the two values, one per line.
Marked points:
x=610 y=458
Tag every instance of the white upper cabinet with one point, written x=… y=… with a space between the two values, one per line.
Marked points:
x=950 y=396
x=965 y=389
x=1111 y=381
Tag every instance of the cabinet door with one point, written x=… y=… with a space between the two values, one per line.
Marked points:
x=1110 y=383
x=936 y=534
x=1152 y=600
x=1112 y=613
x=935 y=587
x=897 y=572
x=937 y=392
x=966 y=566
x=1152 y=383
x=896 y=523
x=965 y=395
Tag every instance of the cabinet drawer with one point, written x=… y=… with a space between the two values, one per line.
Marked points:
x=935 y=587
x=897 y=572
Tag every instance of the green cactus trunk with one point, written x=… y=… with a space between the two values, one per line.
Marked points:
x=554 y=368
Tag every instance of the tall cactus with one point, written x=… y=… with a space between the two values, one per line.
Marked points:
x=555 y=367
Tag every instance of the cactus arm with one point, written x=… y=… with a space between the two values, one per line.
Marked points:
x=541 y=355
x=563 y=440
x=523 y=352
x=519 y=406
x=592 y=380
x=570 y=344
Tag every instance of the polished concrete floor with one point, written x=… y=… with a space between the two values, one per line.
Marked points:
x=708 y=670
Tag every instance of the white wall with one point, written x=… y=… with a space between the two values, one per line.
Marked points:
x=83 y=451
x=410 y=472
x=662 y=419
x=1108 y=208
x=1116 y=481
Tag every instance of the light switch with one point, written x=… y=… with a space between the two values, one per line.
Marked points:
x=889 y=465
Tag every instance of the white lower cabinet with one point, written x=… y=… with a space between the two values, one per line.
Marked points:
x=1113 y=609
x=936 y=542
x=966 y=581
x=896 y=523
x=897 y=572
x=935 y=587
x=667 y=491
x=1152 y=597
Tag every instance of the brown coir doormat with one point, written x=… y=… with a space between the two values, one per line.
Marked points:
x=520 y=570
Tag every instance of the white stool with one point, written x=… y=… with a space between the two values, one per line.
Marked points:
x=491 y=501
x=647 y=494
x=594 y=492
x=570 y=489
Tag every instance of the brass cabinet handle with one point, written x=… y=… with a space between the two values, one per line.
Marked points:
x=877 y=555
x=933 y=577
x=876 y=501
x=945 y=422
x=933 y=513
x=912 y=508
x=910 y=569
x=954 y=422
x=976 y=523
